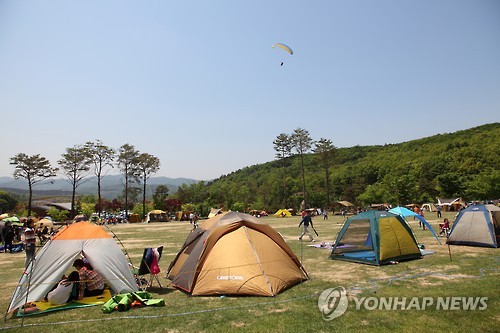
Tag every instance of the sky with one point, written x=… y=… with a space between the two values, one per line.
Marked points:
x=198 y=85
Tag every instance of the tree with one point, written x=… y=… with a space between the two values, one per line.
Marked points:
x=173 y=205
x=102 y=156
x=302 y=142
x=283 y=148
x=146 y=165
x=7 y=202
x=75 y=165
x=159 y=196
x=325 y=150
x=127 y=157
x=34 y=169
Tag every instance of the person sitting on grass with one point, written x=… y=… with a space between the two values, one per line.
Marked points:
x=445 y=227
x=91 y=282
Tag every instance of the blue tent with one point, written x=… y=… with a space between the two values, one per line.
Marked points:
x=404 y=212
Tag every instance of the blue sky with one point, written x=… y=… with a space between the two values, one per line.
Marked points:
x=197 y=83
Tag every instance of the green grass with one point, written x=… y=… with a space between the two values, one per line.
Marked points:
x=471 y=272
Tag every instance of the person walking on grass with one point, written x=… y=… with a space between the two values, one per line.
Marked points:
x=306 y=220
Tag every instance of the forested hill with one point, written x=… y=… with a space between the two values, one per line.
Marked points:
x=461 y=164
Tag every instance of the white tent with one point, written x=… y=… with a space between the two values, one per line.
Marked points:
x=58 y=255
x=477 y=225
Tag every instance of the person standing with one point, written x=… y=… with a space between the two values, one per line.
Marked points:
x=8 y=236
x=30 y=241
x=439 y=211
x=306 y=220
x=195 y=221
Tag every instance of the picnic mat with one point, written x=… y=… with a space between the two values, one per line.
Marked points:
x=41 y=307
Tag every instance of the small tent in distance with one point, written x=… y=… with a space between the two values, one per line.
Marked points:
x=235 y=254
x=375 y=238
x=477 y=225
x=283 y=213
x=214 y=212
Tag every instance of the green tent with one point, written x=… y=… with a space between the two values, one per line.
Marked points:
x=375 y=238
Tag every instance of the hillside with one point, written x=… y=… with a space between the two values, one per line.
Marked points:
x=460 y=164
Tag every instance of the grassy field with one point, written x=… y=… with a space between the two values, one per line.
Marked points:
x=471 y=272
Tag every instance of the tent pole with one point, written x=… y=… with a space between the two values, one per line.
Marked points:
x=30 y=265
x=301 y=251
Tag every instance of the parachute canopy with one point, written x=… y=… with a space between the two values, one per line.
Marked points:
x=284 y=47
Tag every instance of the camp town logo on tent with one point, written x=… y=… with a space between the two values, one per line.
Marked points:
x=230 y=277
x=333 y=302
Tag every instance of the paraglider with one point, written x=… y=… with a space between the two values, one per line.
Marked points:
x=283 y=47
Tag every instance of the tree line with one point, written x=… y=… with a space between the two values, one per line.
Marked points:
x=305 y=173
x=79 y=161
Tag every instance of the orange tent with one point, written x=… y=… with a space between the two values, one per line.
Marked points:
x=235 y=254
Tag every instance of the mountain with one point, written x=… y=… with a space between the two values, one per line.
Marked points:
x=111 y=186
x=450 y=165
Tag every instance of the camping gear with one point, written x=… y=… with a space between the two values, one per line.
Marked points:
x=123 y=302
x=235 y=254
x=477 y=225
x=375 y=238
x=150 y=265
x=59 y=253
x=43 y=307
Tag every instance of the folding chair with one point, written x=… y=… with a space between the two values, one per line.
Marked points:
x=150 y=265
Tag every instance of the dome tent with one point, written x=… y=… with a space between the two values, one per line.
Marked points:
x=235 y=254
x=477 y=225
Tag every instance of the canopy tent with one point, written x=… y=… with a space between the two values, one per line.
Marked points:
x=477 y=225
x=14 y=220
x=404 y=212
x=345 y=203
x=375 y=238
